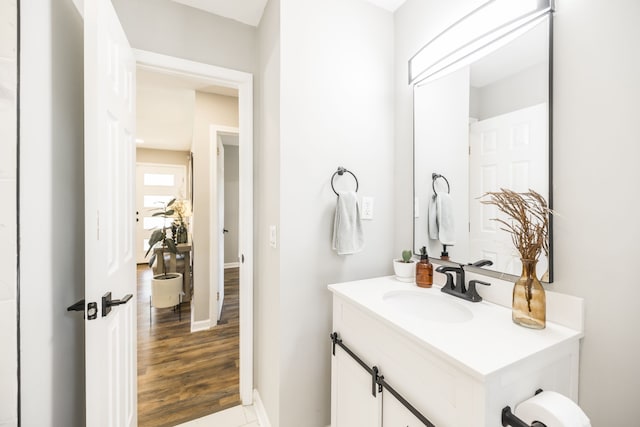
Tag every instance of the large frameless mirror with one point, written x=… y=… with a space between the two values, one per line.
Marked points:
x=482 y=124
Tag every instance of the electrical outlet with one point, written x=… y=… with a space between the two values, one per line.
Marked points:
x=367 y=208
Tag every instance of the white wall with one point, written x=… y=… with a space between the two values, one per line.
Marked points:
x=51 y=214
x=336 y=89
x=266 y=285
x=170 y=28
x=597 y=232
x=8 y=216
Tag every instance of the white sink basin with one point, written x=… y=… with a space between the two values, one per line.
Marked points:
x=427 y=306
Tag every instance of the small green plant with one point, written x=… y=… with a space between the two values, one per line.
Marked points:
x=159 y=236
x=406 y=256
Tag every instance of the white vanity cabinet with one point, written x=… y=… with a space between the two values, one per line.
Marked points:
x=395 y=414
x=455 y=374
x=351 y=394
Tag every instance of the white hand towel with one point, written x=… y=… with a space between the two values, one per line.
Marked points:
x=433 y=219
x=446 y=228
x=347 y=227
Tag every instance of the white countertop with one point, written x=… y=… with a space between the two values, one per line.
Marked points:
x=487 y=343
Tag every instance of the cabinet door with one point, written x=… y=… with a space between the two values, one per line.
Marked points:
x=394 y=414
x=352 y=403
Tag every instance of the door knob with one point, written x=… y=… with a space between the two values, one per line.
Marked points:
x=224 y=230
x=107 y=302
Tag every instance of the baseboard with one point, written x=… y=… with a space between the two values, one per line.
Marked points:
x=231 y=264
x=200 y=325
x=261 y=413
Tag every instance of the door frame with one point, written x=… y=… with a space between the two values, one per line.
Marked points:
x=215 y=131
x=243 y=82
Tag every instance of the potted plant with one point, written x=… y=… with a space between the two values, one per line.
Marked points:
x=159 y=238
x=405 y=268
x=528 y=223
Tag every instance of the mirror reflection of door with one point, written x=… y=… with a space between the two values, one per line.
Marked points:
x=155 y=185
x=505 y=151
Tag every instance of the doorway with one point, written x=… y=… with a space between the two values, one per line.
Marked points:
x=243 y=83
x=156 y=185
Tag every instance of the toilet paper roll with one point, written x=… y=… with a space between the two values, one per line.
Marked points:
x=553 y=409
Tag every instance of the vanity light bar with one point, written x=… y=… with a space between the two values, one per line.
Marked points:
x=494 y=20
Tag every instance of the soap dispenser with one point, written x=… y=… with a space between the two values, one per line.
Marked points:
x=424 y=270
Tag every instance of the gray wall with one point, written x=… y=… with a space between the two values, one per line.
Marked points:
x=266 y=279
x=521 y=90
x=8 y=216
x=211 y=109
x=231 y=188
x=51 y=214
x=596 y=88
x=336 y=109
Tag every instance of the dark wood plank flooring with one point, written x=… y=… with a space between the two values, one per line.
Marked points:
x=182 y=375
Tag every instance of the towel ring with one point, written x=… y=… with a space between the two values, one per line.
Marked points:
x=341 y=172
x=434 y=177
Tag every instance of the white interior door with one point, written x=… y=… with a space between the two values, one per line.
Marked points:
x=110 y=342
x=220 y=228
x=156 y=185
x=506 y=151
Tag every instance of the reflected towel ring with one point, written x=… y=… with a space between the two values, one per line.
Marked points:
x=341 y=172
x=435 y=176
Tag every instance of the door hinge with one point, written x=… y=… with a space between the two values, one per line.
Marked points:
x=218 y=296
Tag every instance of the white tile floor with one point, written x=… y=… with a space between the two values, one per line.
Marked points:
x=238 y=416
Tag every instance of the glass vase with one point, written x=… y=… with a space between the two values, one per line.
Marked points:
x=529 y=305
x=183 y=237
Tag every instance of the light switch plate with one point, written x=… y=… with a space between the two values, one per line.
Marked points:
x=273 y=242
x=367 y=208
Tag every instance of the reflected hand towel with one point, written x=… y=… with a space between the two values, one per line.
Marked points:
x=347 y=226
x=446 y=228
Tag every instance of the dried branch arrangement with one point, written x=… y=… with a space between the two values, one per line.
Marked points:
x=529 y=225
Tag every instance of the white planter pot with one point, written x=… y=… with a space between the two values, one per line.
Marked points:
x=166 y=289
x=405 y=271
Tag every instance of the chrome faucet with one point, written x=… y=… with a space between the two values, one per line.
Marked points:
x=458 y=287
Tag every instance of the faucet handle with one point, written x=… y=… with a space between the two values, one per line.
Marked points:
x=481 y=263
x=445 y=270
x=471 y=290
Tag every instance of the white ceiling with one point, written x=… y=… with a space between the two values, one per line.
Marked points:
x=250 y=11
x=165 y=108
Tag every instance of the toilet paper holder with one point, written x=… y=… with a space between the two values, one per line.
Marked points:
x=510 y=419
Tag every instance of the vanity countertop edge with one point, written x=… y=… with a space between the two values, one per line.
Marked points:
x=483 y=346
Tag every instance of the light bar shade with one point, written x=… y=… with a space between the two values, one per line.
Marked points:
x=490 y=22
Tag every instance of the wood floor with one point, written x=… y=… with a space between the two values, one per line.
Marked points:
x=182 y=375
